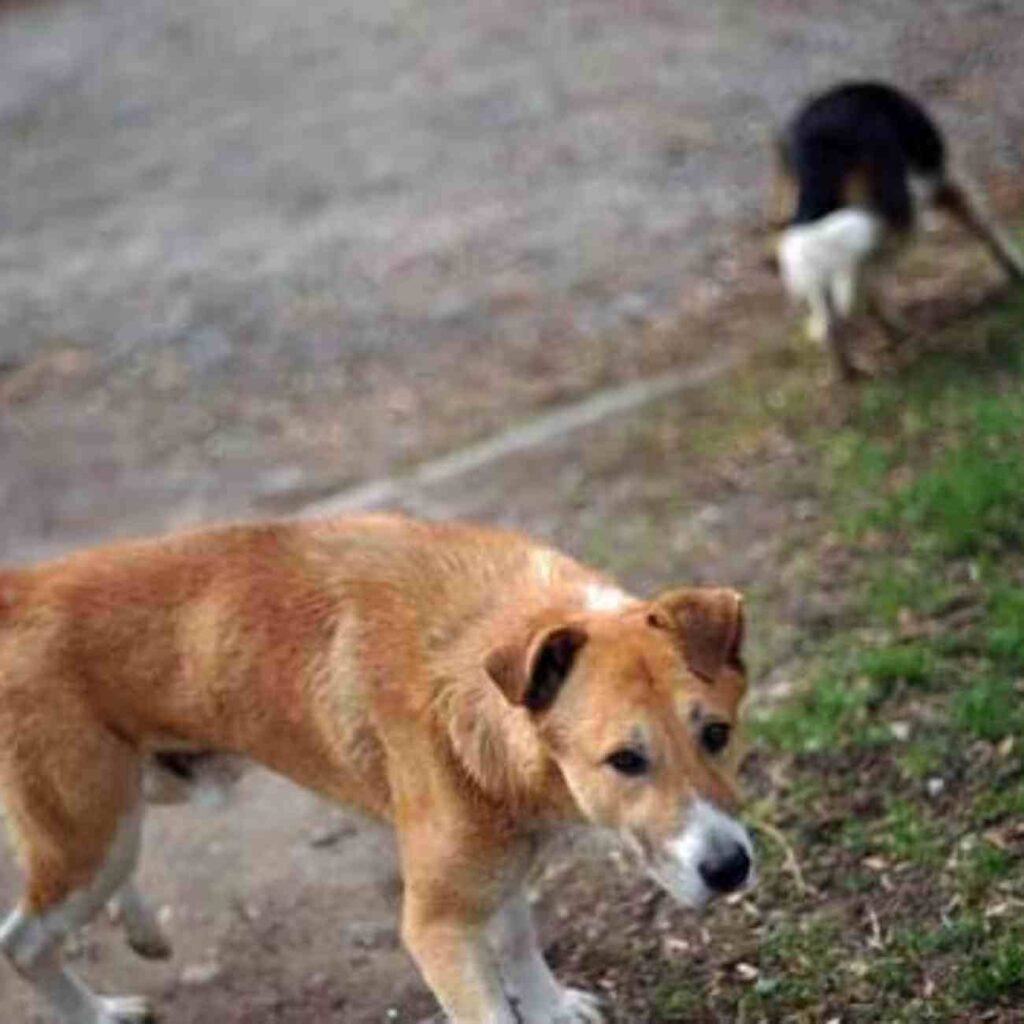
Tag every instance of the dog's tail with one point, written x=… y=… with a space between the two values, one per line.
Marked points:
x=964 y=200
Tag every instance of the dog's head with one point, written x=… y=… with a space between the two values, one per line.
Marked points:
x=638 y=706
x=822 y=262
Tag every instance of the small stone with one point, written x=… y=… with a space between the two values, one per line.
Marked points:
x=329 y=835
x=207 y=347
x=367 y=935
x=281 y=480
x=200 y=974
x=633 y=307
x=900 y=731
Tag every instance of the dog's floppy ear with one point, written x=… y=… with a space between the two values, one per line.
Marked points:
x=531 y=674
x=708 y=623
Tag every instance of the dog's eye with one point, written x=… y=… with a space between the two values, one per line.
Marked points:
x=628 y=762
x=714 y=737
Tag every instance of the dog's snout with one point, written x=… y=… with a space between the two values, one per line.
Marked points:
x=710 y=857
x=726 y=871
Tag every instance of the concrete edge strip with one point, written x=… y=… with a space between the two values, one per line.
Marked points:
x=544 y=429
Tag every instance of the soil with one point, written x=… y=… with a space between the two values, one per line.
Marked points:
x=249 y=258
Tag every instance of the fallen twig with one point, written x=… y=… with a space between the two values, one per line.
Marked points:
x=790 y=859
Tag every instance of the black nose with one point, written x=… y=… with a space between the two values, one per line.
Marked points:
x=727 y=871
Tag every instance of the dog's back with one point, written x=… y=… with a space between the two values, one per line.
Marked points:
x=861 y=142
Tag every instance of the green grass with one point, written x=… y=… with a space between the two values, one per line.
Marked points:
x=829 y=713
x=995 y=975
x=908 y=833
x=982 y=867
x=1005 y=623
x=901 y=753
x=988 y=709
x=914 y=664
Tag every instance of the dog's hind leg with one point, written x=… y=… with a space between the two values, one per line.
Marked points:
x=76 y=815
x=896 y=330
x=32 y=937
x=141 y=927
x=963 y=200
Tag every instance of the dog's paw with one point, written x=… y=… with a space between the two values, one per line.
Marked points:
x=141 y=928
x=578 y=1007
x=126 y=1010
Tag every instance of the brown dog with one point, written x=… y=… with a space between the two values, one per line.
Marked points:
x=477 y=690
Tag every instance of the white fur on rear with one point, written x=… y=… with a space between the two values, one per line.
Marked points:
x=678 y=866
x=821 y=263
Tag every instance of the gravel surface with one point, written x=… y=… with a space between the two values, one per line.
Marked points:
x=251 y=252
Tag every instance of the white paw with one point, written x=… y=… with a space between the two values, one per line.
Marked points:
x=817 y=328
x=126 y=1010
x=578 y=1007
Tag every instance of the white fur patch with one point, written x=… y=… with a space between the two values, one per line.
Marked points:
x=543 y=565
x=707 y=829
x=601 y=598
x=533 y=989
x=821 y=263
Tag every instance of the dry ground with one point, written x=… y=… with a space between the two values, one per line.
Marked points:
x=252 y=252
x=247 y=258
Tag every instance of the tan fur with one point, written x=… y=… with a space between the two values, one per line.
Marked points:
x=781 y=195
x=349 y=655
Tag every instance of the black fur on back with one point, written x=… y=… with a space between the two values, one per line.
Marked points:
x=861 y=127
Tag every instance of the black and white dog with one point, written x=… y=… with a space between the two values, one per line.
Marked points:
x=861 y=158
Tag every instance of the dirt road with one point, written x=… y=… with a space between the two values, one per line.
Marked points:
x=251 y=253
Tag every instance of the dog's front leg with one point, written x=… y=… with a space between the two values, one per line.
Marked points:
x=538 y=997
x=452 y=953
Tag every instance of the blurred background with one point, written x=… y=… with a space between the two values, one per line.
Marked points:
x=252 y=253
x=272 y=257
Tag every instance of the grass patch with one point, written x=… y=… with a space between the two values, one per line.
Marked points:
x=914 y=664
x=898 y=771
x=990 y=709
x=831 y=712
x=995 y=976
x=1005 y=624
x=983 y=866
x=909 y=834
